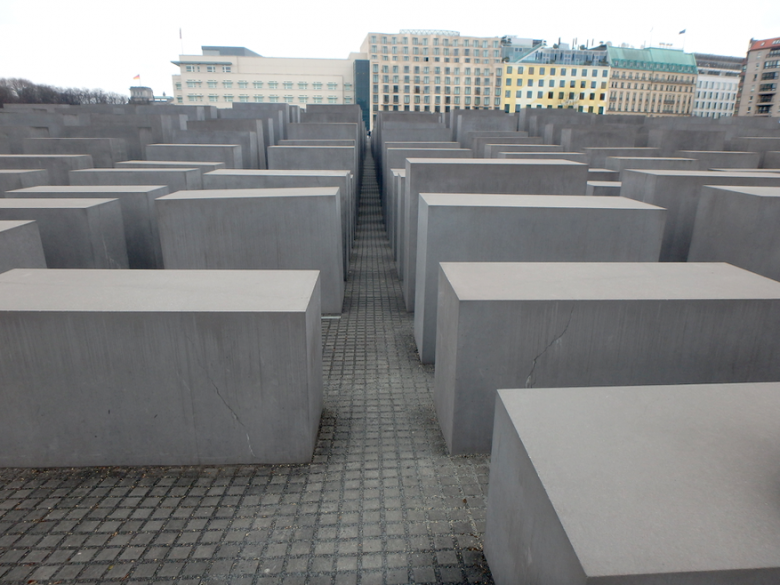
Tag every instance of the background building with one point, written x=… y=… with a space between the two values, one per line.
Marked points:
x=654 y=81
x=223 y=75
x=433 y=71
x=758 y=91
x=556 y=77
x=717 y=85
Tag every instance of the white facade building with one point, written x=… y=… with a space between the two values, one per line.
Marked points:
x=223 y=75
x=717 y=86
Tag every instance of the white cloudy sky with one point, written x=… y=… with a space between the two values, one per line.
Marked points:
x=104 y=44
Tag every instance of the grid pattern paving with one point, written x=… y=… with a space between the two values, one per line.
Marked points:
x=381 y=502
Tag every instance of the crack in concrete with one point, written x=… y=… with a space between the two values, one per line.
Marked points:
x=529 y=380
x=233 y=412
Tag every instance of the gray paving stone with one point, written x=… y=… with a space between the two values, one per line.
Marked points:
x=381 y=501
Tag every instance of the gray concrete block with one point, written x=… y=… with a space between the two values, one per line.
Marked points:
x=604 y=188
x=10 y=180
x=175 y=179
x=268 y=179
x=579 y=137
x=256 y=229
x=510 y=177
x=75 y=233
x=524 y=228
x=628 y=485
x=709 y=159
x=597 y=155
x=477 y=140
x=670 y=140
x=163 y=367
x=202 y=166
x=548 y=325
x=248 y=141
x=759 y=144
x=493 y=149
x=56 y=165
x=772 y=159
x=572 y=156
x=142 y=236
x=738 y=225
x=227 y=154
x=678 y=192
x=602 y=175
x=257 y=140
x=331 y=158
x=105 y=152
x=20 y=245
x=622 y=163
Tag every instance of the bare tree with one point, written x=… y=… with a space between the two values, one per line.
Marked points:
x=22 y=91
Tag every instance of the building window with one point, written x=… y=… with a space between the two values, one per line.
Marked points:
x=288 y=99
x=332 y=86
x=178 y=85
x=303 y=85
x=213 y=97
x=212 y=84
x=347 y=87
x=193 y=83
x=243 y=98
x=259 y=98
x=303 y=99
x=179 y=99
x=243 y=84
x=332 y=99
x=273 y=99
x=317 y=85
x=211 y=69
x=273 y=85
x=226 y=69
x=192 y=68
x=287 y=85
x=347 y=100
x=227 y=84
x=257 y=84
x=318 y=99
x=228 y=97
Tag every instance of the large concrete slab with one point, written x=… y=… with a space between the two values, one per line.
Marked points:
x=511 y=177
x=10 y=180
x=105 y=152
x=710 y=159
x=20 y=245
x=772 y=159
x=227 y=154
x=331 y=158
x=75 y=233
x=738 y=225
x=759 y=144
x=572 y=156
x=163 y=367
x=58 y=166
x=605 y=188
x=142 y=236
x=580 y=137
x=176 y=179
x=268 y=179
x=597 y=155
x=253 y=144
x=547 y=325
x=256 y=229
x=670 y=140
x=623 y=163
x=493 y=150
x=524 y=228
x=678 y=192
x=202 y=166
x=629 y=485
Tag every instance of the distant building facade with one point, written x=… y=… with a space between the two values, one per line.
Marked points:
x=653 y=81
x=556 y=77
x=717 y=85
x=758 y=91
x=432 y=71
x=223 y=75
x=144 y=96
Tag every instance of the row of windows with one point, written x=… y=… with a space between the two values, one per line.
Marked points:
x=436 y=70
x=716 y=85
x=227 y=84
x=303 y=99
x=478 y=100
x=436 y=89
x=655 y=87
x=652 y=77
x=437 y=59
x=551 y=95
x=436 y=80
x=713 y=106
x=436 y=51
x=556 y=70
x=551 y=83
x=435 y=41
x=718 y=95
x=209 y=68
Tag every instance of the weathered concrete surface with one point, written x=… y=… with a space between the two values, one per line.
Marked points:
x=648 y=484
x=10 y=180
x=256 y=229
x=20 y=246
x=228 y=154
x=547 y=325
x=75 y=233
x=164 y=367
x=623 y=163
x=174 y=179
x=604 y=188
x=597 y=155
x=524 y=228
x=709 y=159
x=142 y=236
x=105 y=152
x=493 y=149
x=56 y=165
x=202 y=166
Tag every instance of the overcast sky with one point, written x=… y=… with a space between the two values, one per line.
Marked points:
x=104 y=44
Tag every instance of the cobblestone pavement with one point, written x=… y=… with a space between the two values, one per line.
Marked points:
x=381 y=502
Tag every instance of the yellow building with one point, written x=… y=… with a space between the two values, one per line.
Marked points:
x=556 y=77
